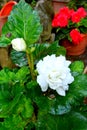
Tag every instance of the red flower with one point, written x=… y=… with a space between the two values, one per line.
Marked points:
x=60 y=21
x=71 y=11
x=65 y=11
x=82 y=12
x=75 y=36
x=76 y=17
x=68 y=19
x=55 y=22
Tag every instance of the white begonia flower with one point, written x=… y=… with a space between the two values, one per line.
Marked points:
x=54 y=72
x=18 y=44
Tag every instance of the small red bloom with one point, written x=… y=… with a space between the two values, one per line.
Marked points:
x=75 y=36
x=65 y=11
x=60 y=21
x=76 y=17
x=56 y=15
x=82 y=12
x=71 y=11
x=55 y=22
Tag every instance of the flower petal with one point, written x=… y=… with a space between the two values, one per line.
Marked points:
x=42 y=82
x=61 y=91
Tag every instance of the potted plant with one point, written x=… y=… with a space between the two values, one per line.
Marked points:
x=71 y=25
x=45 y=91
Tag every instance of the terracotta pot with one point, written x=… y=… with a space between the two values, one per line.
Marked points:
x=4 y=13
x=5 y=60
x=3 y=20
x=57 y=4
x=75 y=50
x=6 y=9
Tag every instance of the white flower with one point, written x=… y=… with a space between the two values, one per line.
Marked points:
x=18 y=44
x=54 y=72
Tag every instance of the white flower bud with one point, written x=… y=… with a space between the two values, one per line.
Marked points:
x=18 y=44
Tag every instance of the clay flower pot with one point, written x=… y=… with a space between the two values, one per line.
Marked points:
x=75 y=50
x=5 y=60
x=6 y=9
x=3 y=20
x=4 y=13
x=57 y=4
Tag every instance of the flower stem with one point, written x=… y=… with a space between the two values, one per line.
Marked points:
x=31 y=64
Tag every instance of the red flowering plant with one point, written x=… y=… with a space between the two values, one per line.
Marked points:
x=70 y=24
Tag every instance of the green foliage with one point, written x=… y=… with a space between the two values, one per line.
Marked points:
x=23 y=22
x=23 y=106
x=70 y=121
x=7 y=76
x=42 y=50
x=14 y=106
x=77 y=67
x=19 y=58
x=76 y=4
x=16 y=121
x=84 y=21
x=4 y=41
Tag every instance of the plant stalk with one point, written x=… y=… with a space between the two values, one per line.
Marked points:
x=31 y=64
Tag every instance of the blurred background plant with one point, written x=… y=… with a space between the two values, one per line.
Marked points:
x=77 y=3
x=32 y=2
x=2 y=2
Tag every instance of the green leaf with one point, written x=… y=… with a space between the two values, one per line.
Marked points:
x=70 y=121
x=42 y=50
x=4 y=41
x=77 y=66
x=30 y=126
x=6 y=76
x=32 y=85
x=4 y=95
x=23 y=22
x=24 y=107
x=61 y=34
x=49 y=122
x=83 y=22
x=33 y=91
x=2 y=127
x=78 y=87
x=19 y=58
x=78 y=120
x=22 y=74
x=57 y=109
x=14 y=121
x=7 y=105
x=28 y=109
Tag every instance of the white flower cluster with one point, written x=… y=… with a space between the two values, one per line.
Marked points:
x=54 y=72
x=18 y=44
